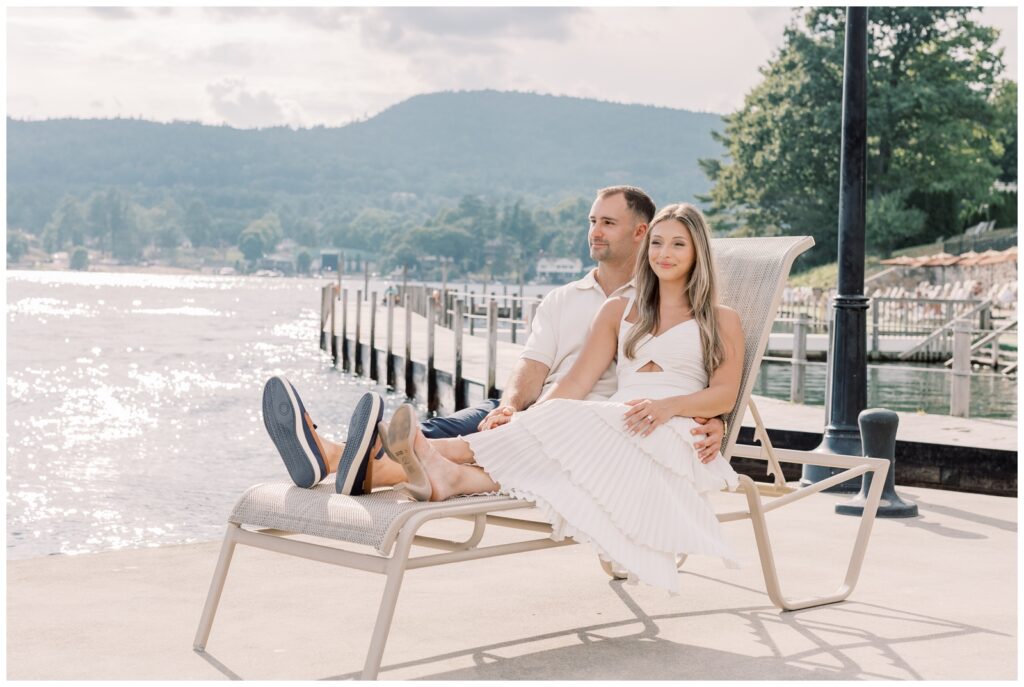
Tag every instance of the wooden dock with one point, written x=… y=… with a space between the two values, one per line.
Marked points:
x=402 y=341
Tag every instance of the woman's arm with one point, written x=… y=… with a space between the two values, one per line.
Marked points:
x=597 y=354
x=720 y=395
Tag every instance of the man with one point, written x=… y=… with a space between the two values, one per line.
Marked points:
x=619 y=220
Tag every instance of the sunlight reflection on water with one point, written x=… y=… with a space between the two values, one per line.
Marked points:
x=133 y=402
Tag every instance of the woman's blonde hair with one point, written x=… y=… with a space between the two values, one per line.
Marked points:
x=700 y=287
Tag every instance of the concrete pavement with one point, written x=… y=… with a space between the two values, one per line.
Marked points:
x=937 y=599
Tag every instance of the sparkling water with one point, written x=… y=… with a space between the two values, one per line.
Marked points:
x=134 y=401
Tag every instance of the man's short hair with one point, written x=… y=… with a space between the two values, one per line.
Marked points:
x=636 y=200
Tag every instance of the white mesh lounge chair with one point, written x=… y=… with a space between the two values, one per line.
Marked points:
x=752 y=275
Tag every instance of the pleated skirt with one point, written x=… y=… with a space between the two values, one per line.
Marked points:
x=640 y=501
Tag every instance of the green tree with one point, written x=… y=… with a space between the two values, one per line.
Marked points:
x=303 y=261
x=931 y=142
x=169 y=237
x=251 y=244
x=891 y=223
x=79 y=259
x=1005 y=102
x=197 y=224
x=66 y=226
x=17 y=245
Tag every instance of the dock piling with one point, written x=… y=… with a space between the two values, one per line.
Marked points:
x=374 y=371
x=389 y=357
x=432 y=314
x=346 y=361
x=334 y=330
x=357 y=352
x=410 y=383
x=460 y=391
x=492 y=348
x=798 y=381
x=960 y=397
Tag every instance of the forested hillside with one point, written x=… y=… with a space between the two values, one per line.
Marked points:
x=125 y=184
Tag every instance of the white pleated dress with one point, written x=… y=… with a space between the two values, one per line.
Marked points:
x=638 y=500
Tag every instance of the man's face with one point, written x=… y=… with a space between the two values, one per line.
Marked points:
x=613 y=230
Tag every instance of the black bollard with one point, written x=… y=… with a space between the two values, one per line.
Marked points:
x=878 y=434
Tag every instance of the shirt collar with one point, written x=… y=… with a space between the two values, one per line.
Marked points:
x=589 y=281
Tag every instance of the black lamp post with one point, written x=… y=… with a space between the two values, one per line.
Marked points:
x=848 y=356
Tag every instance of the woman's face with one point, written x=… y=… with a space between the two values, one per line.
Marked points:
x=671 y=252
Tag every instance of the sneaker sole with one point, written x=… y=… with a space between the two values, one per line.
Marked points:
x=283 y=420
x=368 y=412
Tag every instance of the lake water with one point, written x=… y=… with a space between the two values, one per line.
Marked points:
x=133 y=401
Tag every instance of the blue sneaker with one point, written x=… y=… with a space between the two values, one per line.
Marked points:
x=355 y=469
x=292 y=431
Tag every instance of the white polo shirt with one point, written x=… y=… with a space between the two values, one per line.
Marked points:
x=561 y=326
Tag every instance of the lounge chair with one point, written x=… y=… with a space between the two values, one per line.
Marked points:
x=267 y=514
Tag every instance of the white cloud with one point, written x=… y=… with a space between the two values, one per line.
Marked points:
x=236 y=105
x=270 y=66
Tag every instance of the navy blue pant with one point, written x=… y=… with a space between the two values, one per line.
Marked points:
x=463 y=422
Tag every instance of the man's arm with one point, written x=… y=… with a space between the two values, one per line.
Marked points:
x=521 y=390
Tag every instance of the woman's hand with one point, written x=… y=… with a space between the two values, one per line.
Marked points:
x=646 y=414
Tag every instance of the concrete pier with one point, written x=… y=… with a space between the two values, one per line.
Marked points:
x=937 y=600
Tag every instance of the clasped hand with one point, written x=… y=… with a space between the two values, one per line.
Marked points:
x=497 y=417
x=646 y=414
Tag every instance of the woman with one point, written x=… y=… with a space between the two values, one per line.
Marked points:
x=621 y=474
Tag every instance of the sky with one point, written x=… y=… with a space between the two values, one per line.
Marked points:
x=258 y=67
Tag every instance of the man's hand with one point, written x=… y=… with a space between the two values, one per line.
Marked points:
x=496 y=418
x=713 y=430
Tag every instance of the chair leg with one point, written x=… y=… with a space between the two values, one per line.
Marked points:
x=386 y=612
x=227 y=549
x=764 y=549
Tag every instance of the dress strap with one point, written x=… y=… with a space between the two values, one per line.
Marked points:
x=629 y=307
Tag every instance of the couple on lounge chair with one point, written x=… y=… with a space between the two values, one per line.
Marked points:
x=618 y=455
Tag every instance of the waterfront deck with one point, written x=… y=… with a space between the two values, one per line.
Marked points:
x=937 y=600
x=944 y=430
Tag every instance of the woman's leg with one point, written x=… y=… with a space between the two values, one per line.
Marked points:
x=447 y=477
x=456 y=450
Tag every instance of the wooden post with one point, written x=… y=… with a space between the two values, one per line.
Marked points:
x=472 y=314
x=410 y=383
x=389 y=357
x=960 y=398
x=799 y=364
x=346 y=361
x=460 y=391
x=325 y=314
x=357 y=353
x=374 y=371
x=334 y=330
x=874 y=327
x=431 y=369
x=492 y=349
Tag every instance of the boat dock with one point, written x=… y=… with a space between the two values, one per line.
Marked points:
x=935 y=451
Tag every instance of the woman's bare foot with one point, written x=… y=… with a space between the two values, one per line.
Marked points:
x=441 y=472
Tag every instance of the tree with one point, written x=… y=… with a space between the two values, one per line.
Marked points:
x=169 y=237
x=79 y=259
x=251 y=244
x=17 y=245
x=197 y=224
x=931 y=143
x=1005 y=102
x=66 y=225
x=303 y=261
